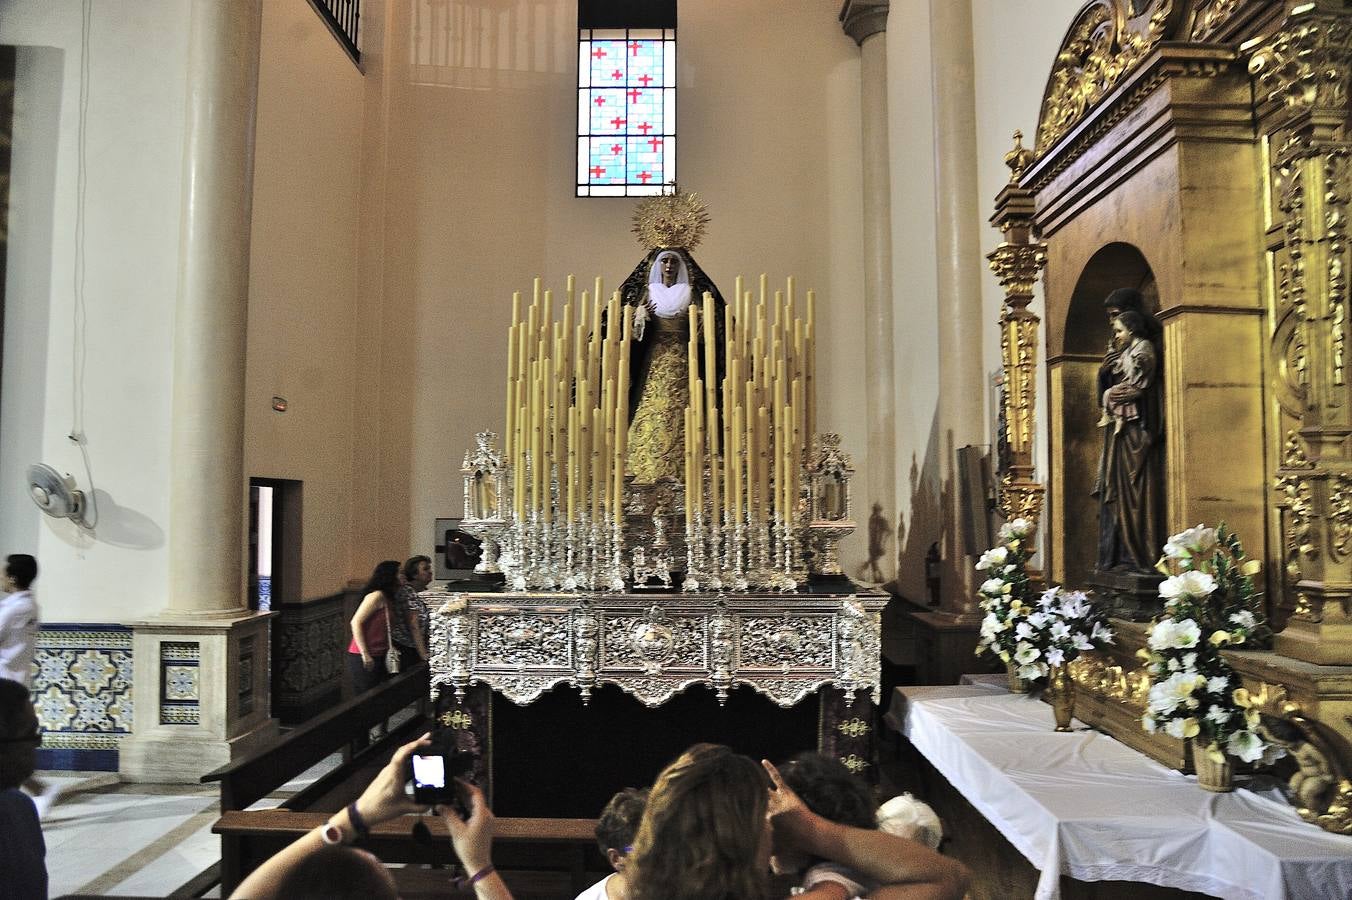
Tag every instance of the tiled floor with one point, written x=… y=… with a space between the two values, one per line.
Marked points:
x=108 y=838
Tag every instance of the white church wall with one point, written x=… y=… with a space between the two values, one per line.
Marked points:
x=1015 y=44
x=480 y=193
x=303 y=282
x=116 y=572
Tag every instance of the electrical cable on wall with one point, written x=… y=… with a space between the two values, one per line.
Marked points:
x=79 y=315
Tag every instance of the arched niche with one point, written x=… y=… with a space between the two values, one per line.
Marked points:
x=1148 y=172
x=1077 y=439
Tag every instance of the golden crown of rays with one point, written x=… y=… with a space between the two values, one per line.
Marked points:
x=676 y=220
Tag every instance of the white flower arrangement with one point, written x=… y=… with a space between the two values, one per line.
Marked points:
x=1209 y=603
x=1006 y=595
x=1065 y=624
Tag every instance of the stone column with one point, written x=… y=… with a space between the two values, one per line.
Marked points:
x=962 y=388
x=865 y=21
x=202 y=667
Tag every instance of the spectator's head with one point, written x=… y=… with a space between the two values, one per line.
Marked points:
x=418 y=571
x=704 y=834
x=908 y=817
x=618 y=825
x=19 y=736
x=385 y=578
x=21 y=570
x=831 y=791
x=338 y=872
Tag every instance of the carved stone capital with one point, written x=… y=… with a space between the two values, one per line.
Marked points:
x=862 y=19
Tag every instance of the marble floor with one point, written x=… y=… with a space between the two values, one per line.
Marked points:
x=108 y=838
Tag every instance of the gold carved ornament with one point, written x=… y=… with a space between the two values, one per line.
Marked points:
x=1320 y=789
x=1103 y=45
x=1211 y=16
x=1297 y=495
x=1306 y=65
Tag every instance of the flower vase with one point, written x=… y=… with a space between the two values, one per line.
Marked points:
x=1017 y=683
x=1061 y=689
x=1211 y=775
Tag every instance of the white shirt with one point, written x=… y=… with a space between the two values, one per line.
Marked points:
x=596 y=891
x=18 y=636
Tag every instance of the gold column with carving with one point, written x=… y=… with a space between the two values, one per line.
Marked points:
x=1301 y=76
x=1018 y=262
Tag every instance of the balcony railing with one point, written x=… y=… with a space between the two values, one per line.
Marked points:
x=344 y=19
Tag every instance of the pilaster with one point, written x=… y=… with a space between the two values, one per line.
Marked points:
x=1301 y=76
x=865 y=21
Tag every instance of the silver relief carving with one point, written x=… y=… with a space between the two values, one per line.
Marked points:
x=653 y=648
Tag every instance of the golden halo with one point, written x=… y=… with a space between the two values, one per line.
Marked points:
x=674 y=221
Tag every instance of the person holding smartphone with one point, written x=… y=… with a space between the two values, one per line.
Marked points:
x=308 y=865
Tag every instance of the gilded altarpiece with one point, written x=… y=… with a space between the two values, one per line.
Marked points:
x=1199 y=152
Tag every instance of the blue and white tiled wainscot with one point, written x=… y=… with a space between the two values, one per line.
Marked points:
x=82 y=693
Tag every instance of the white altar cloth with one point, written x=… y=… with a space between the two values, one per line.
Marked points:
x=1088 y=806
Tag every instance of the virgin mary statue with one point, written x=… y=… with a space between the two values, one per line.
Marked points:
x=657 y=295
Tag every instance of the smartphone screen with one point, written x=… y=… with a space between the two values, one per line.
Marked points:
x=429 y=772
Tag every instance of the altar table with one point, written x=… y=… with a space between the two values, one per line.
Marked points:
x=1085 y=805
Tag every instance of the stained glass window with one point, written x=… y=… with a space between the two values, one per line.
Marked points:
x=626 y=111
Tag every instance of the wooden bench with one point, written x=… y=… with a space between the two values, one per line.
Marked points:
x=544 y=858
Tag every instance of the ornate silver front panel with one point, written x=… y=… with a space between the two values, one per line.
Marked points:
x=655 y=646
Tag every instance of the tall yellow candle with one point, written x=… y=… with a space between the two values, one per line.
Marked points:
x=597 y=484
x=763 y=450
x=711 y=376
x=547 y=319
x=689 y=479
x=752 y=448
x=509 y=417
x=572 y=464
x=735 y=463
x=583 y=442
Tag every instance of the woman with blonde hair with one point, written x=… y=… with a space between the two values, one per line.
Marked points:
x=704 y=834
x=707 y=835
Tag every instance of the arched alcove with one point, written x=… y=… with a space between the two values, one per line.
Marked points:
x=1077 y=439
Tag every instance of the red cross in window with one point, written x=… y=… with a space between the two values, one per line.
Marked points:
x=654 y=142
x=617 y=75
x=634 y=94
x=617 y=121
x=645 y=128
x=600 y=101
x=634 y=47
x=598 y=53
x=645 y=79
x=597 y=171
x=644 y=176
x=615 y=148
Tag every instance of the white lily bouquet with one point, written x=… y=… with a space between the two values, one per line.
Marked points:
x=1209 y=603
x=1065 y=624
x=1006 y=594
